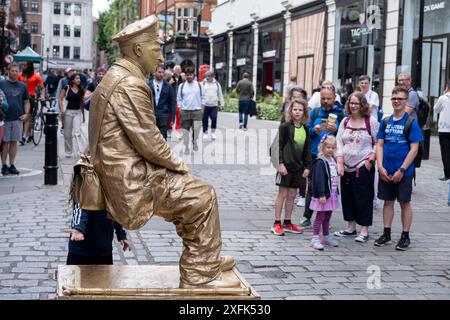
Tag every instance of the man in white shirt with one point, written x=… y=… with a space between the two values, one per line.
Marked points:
x=442 y=107
x=191 y=102
x=371 y=96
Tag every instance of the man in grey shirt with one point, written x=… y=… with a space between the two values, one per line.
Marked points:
x=244 y=89
x=404 y=80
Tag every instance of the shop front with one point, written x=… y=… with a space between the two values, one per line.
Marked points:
x=427 y=60
x=270 y=54
x=220 y=59
x=242 y=54
x=359 y=40
x=307 y=47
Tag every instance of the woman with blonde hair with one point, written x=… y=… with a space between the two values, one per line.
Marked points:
x=356 y=140
x=294 y=162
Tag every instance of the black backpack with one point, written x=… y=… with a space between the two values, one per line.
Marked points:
x=407 y=130
x=423 y=110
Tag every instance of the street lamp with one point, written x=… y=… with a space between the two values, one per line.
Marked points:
x=199 y=24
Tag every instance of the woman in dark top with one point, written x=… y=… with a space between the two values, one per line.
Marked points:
x=72 y=96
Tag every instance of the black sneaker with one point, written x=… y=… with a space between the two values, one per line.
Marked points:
x=383 y=240
x=22 y=142
x=5 y=170
x=12 y=170
x=403 y=244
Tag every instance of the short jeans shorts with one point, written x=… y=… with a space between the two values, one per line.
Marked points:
x=392 y=191
x=13 y=131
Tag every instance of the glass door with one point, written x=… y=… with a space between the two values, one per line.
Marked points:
x=435 y=53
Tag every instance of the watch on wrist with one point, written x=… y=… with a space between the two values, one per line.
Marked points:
x=402 y=170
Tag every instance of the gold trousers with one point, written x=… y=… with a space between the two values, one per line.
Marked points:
x=191 y=204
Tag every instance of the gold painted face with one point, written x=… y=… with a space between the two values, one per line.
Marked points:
x=151 y=56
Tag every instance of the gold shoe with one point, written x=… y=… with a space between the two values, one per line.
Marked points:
x=219 y=282
x=226 y=263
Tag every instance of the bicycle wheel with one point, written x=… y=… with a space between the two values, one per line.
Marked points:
x=38 y=128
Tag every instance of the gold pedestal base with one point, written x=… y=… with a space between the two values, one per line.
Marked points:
x=140 y=282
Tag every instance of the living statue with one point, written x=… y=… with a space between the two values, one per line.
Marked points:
x=139 y=173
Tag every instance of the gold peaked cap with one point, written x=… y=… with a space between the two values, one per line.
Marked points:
x=139 y=31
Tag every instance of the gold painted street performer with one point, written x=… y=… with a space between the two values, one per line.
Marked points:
x=139 y=173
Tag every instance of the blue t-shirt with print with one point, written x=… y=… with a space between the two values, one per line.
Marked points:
x=16 y=93
x=322 y=114
x=396 y=147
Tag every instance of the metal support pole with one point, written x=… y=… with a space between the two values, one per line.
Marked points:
x=199 y=24
x=51 y=148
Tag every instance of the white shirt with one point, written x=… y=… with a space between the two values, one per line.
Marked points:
x=189 y=97
x=442 y=107
x=212 y=92
x=158 y=86
x=372 y=99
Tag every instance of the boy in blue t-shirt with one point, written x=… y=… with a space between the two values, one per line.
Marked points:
x=395 y=159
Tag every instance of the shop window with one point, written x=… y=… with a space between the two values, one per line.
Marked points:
x=76 y=53
x=57 y=8
x=56 y=29
x=55 y=51
x=66 y=52
x=25 y=4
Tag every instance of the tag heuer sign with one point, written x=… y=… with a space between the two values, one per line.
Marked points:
x=219 y=65
x=240 y=62
x=269 y=54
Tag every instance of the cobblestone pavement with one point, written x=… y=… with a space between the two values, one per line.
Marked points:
x=33 y=217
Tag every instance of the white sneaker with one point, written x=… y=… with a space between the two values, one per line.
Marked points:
x=213 y=136
x=169 y=134
x=376 y=203
x=205 y=136
x=315 y=244
x=301 y=202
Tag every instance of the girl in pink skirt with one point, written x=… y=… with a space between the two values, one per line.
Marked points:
x=325 y=194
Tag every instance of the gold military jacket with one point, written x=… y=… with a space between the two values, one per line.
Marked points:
x=132 y=158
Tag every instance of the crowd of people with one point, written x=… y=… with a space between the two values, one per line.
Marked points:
x=374 y=158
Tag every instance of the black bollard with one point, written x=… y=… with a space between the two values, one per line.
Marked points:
x=426 y=143
x=51 y=148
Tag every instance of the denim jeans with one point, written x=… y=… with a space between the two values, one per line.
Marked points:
x=210 y=112
x=244 y=109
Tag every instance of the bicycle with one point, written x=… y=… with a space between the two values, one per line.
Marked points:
x=38 y=118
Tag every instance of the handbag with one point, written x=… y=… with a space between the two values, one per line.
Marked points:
x=86 y=186
x=253 y=109
x=65 y=102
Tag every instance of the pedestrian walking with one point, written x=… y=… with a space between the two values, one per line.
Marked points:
x=164 y=100
x=36 y=91
x=91 y=237
x=51 y=83
x=371 y=96
x=294 y=163
x=442 y=108
x=323 y=121
x=19 y=111
x=175 y=82
x=212 y=91
x=355 y=156
x=99 y=74
x=325 y=193
x=191 y=101
x=73 y=93
x=397 y=145
x=244 y=89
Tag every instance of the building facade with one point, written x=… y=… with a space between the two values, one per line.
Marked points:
x=179 y=26
x=68 y=34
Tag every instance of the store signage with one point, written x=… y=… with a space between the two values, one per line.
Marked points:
x=219 y=65
x=369 y=20
x=240 y=62
x=269 y=54
x=435 y=6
